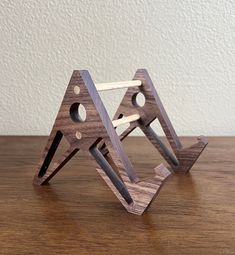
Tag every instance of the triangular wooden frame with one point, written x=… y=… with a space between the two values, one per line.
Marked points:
x=98 y=136
x=183 y=158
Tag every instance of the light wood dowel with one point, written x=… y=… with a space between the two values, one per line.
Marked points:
x=117 y=85
x=125 y=120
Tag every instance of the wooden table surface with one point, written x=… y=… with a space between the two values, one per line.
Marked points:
x=78 y=214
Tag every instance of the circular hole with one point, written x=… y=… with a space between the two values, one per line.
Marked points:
x=76 y=90
x=138 y=99
x=78 y=112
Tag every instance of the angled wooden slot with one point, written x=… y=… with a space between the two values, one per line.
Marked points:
x=88 y=132
x=183 y=158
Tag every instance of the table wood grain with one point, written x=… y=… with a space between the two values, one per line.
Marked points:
x=78 y=214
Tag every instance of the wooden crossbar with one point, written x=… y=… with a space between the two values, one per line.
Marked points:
x=117 y=85
x=125 y=120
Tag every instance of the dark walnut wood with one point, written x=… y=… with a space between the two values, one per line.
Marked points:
x=97 y=135
x=76 y=213
x=180 y=159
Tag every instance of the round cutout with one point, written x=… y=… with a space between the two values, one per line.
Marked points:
x=78 y=112
x=138 y=99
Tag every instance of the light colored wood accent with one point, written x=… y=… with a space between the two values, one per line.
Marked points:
x=117 y=85
x=125 y=120
x=76 y=90
x=78 y=135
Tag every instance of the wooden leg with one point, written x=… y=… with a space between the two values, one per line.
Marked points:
x=44 y=174
x=188 y=156
x=143 y=192
x=185 y=157
x=111 y=174
x=159 y=145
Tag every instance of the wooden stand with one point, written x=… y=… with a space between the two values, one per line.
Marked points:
x=97 y=135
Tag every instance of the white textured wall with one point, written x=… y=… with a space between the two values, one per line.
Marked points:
x=187 y=46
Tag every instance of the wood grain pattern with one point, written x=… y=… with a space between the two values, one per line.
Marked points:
x=182 y=159
x=76 y=213
x=142 y=192
x=134 y=194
